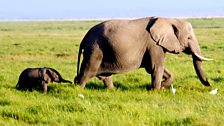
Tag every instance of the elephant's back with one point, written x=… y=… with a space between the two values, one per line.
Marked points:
x=116 y=31
x=29 y=73
x=122 y=43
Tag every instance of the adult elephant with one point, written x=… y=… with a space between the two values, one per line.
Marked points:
x=118 y=46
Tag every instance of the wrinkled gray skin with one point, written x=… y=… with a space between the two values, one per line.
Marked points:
x=118 y=46
x=38 y=78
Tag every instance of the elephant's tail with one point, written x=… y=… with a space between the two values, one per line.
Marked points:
x=18 y=86
x=79 y=56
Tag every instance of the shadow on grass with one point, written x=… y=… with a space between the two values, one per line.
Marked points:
x=218 y=79
x=59 y=87
x=95 y=86
x=124 y=87
x=118 y=86
x=50 y=88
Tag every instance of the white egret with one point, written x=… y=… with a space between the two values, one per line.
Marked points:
x=173 y=89
x=81 y=96
x=214 y=91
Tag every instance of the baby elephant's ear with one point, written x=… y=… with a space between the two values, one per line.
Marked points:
x=46 y=75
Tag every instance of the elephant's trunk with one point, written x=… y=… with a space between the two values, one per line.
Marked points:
x=65 y=81
x=199 y=71
x=197 y=61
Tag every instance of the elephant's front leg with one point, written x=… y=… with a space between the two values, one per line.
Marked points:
x=44 y=86
x=157 y=66
x=157 y=75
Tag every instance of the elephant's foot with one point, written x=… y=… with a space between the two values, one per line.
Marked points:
x=164 y=87
x=168 y=79
x=107 y=80
x=82 y=80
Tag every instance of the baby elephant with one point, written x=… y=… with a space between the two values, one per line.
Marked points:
x=38 y=78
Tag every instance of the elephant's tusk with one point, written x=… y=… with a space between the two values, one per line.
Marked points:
x=202 y=58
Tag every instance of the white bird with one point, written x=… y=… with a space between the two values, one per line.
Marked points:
x=173 y=89
x=81 y=96
x=214 y=91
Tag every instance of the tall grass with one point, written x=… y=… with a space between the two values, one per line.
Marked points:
x=55 y=44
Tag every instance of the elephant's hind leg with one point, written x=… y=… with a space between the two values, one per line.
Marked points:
x=168 y=78
x=107 y=80
x=89 y=67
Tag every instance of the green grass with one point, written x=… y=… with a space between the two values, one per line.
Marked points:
x=55 y=44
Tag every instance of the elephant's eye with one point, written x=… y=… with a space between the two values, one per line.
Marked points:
x=189 y=37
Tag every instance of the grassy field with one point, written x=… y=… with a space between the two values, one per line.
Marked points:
x=55 y=44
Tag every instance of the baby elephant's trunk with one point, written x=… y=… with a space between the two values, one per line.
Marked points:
x=65 y=81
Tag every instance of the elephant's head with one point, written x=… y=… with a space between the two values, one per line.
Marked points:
x=55 y=76
x=49 y=75
x=177 y=36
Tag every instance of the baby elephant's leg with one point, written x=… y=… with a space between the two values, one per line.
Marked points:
x=44 y=86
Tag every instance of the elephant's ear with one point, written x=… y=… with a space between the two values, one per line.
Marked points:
x=49 y=75
x=164 y=32
x=46 y=75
